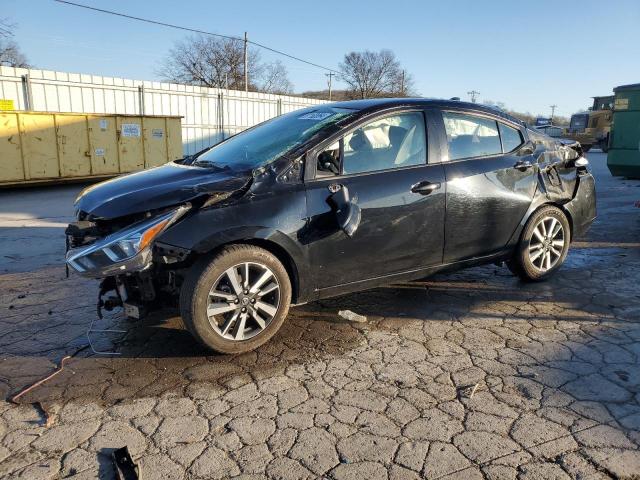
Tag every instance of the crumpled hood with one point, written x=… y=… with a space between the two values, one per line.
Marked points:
x=164 y=186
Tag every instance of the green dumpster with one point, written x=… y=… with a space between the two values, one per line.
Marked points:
x=624 y=142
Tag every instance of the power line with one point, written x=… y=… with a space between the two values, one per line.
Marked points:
x=473 y=94
x=188 y=29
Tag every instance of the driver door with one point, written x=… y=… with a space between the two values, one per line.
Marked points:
x=400 y=199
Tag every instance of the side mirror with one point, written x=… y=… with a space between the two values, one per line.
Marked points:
x=528 y=148
x=348 y=214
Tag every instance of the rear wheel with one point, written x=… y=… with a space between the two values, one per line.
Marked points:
x=236 y=301
x=543 y=245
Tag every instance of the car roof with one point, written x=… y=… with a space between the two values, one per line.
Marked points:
x=373 y=104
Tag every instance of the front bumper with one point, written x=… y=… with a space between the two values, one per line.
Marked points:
x=583 y=206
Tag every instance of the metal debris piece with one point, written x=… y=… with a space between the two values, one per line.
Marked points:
x=91 y=330
x=473 y=392
x=352 y=316
x=123 y=463
x=15 y=398
x=467 y=391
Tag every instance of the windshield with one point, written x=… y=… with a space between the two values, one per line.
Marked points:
x=268 y=141
x=579 y=121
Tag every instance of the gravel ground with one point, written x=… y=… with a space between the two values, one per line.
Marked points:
x=467 y=375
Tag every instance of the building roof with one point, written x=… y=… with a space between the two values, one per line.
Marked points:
x=631 y=86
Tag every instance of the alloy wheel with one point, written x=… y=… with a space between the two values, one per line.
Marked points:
x=243 y=301
x=546 y=244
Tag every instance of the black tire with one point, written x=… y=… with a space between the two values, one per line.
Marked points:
x=521 y=263
x=604 y=145
x=195 y=296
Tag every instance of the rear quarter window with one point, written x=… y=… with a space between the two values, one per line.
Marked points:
x=511 y=138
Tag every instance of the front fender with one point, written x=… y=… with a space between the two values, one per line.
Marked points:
x=291 y=253
x=267 y=221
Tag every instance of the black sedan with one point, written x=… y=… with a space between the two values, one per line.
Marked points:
x=328 y=200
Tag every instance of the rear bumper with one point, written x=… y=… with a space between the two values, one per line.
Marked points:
x=582 y=208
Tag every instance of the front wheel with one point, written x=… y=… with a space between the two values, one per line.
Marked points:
x=543 y=245
x=236 y=301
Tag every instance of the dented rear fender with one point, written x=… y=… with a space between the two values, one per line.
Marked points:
x=571 y=189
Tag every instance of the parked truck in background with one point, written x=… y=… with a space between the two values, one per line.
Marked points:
x=591 y=128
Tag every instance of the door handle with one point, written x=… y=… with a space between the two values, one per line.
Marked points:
x=425 y=188
x=523 y=165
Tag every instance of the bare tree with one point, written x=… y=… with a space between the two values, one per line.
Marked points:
x=375 y=74
x=403 y=85
x=275 y=79
x=219 y=63
x=10 y=53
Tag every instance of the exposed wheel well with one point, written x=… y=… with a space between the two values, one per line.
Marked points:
x=276 y=250
x=562 y=209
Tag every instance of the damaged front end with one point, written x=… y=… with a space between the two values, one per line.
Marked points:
x=119 y=222
x=125 y=251
x=122 y=257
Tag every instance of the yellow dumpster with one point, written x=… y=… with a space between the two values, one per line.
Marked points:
x=39 y=147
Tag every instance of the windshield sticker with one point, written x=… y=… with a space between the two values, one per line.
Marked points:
x=315 y=116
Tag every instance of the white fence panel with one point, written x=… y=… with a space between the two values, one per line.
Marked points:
x=208 y=114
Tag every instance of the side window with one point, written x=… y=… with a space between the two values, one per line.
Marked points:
x=390 y=142
x=469 y=136
x=511 y=138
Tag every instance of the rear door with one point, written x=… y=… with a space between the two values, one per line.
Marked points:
x=383 y=164
x=489 y=185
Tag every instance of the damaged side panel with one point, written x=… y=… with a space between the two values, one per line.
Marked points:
x=561 y=183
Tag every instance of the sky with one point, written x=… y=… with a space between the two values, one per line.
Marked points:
x=528 y=55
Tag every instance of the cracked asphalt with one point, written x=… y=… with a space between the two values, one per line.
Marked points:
x=466 y=375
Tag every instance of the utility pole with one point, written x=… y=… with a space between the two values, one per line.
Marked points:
x=553 y=110
x=474 y=94
x=402 y=84
x=246 y=64
x=330 y=82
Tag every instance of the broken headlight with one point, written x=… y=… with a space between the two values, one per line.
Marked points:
x=123 y=251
